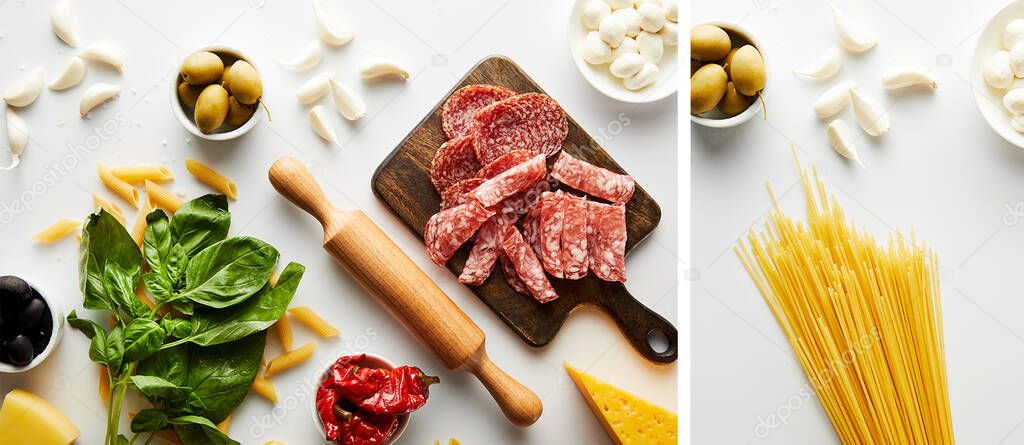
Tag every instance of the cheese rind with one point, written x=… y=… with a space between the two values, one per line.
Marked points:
x=628 y=419
x=25 y=419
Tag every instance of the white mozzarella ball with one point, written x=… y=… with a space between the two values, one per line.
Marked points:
x=627 y=65
x=632 y=20
x=1013 y=100
x=619 y=4
x=1013 y=33
x=1017 y=59
x=628 y=46
x=593 y=12
x=652 y=17
x=650 y=46
x=595 y=51
x=997 y=71
x=612 y=30
x=669 y=33
x=646 y=76
x=672 y=11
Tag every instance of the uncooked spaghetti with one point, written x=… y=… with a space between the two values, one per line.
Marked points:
x=864 y=319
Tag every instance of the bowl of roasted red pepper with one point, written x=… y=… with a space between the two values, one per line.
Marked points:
x=366 y=400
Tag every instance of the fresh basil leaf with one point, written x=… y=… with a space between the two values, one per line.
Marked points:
x=176 y=327
x=155 y=387
x=120 y=285
x=200 y=223
x=170 y=364
x=156 y=242
x=196 y=430
x=259 y=312
x=160 y=286
x=108 y=349
x=104 y=240
x=87 y=326
x=194 y=404
x=229 y=271
x=123 y=440
x=222 y=375
x=149 y=419
x=142 y=337
x=184 y=306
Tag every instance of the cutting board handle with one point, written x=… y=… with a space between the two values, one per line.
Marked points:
x=641 y=325
x=291 y=179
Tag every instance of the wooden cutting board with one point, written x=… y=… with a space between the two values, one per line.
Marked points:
x=402 y=181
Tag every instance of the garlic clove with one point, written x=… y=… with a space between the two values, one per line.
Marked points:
x=870 y=116
x=17 y=137
x=997 y=71
x=332 y=31
x=60 y=20
x=833 y=100
x=349 y=104
x=315 y=88
x=96 y=95
x=74 y=71
x=104 y=53
x=27 y=90
x=307 y=58
x=904 y=77
x=841 y=137
x=1013 y=100
x=376 y=68
x=852 y=34
x=320 y=119
x=827 y=65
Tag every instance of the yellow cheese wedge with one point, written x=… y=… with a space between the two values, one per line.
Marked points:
x=628 y=419
x=28 y=420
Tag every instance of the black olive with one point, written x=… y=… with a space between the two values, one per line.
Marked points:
x=14 y=292
x=40 y=339
x=19 y=349
x=30 y=315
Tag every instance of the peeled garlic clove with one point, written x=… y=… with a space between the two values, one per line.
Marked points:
x=332 y=31
x=870 y=116
x=74 y=71
x=27 y=90
x=825 y=67
x=853 y=35
x=842 y=140
x=596 y=52
x=833 y=100
x=375 y=68
x=593 y=12
x=997 y=71
x=307 y=58
x=903 y=77
x=650 y=46
x=104 y=53
x=320 y=119
x=1013 y=33
x=1017 y=123
x=95 y=95
x=17 y=137
x=347 y=101
x=60 y=19
x=315 y=88
x=645 y=77
x=1013 y=100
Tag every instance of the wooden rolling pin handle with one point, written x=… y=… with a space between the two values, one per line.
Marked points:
x=520 y=405
x=291 y=179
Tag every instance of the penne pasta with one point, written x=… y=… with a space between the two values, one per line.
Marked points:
x=139 y=228
x=139 y=173
x=161 y=197
x=264 y=388
x=290 y=359
x=56 y=231
x=118 y=185
x=211 y=178
x=140 y=293
x=225 y=425
x=111 y=208
x=273 y=279
x=283 y=328
x=306 y=316
x=104 y=387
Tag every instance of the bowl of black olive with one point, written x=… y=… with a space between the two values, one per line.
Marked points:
x=29 y=325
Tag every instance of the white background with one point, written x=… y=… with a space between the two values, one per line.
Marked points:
x=940 y=171
x=156 y=35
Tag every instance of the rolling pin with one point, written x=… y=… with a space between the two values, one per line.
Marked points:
x=376 y=262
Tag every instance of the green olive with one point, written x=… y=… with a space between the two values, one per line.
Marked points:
x=239 y=113
x=202 y=68
x=189 y=94
x=211 y=108
x=747 y=71
x=707 y=86
x=224 y=76
x=709 y=42
x=727 y=61
x=243 y=82
x=733 y=103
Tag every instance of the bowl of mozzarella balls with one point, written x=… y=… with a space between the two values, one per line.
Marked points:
x=727 y=75
x=997 y=73
x=626 y=49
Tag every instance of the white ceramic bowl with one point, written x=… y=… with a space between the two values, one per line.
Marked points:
x=611 y=86
x=57 y=317
x=990 y=100
x=714 y=118
x=372 y=361
x=184 y=115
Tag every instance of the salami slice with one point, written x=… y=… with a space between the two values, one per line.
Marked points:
x=486 y=249
x=575 y=257
x=531 y=228
x=526 y=266
x=515 y=206
x=509 y=271
x=459 y=192
x=455 y=161
x=457 y=112
x=511 y=181
x=551 y=219
x=606 y=240
x=593 y=180
x=448 y=230
x=505 y=162
x=530 y=121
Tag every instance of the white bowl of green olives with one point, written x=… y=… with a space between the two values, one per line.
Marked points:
x=714 y=99
x=30 y=325
x=216 y=95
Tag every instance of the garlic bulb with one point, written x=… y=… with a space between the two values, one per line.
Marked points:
x=903 y=77
x=853 y=35
x=17 y=137
x=27 y=90
x=320 y=119
x=307 y=58
x=870 y=116
x=827 y=65
x=74 y=71
x=60 y=20
x=840 y=136
x=997 y=71
x=315 y=88
x=332 y=31
x=833 y=100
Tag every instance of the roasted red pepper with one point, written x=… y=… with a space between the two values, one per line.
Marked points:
x=325 y=400
x=363 y=428
x=386 y=392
